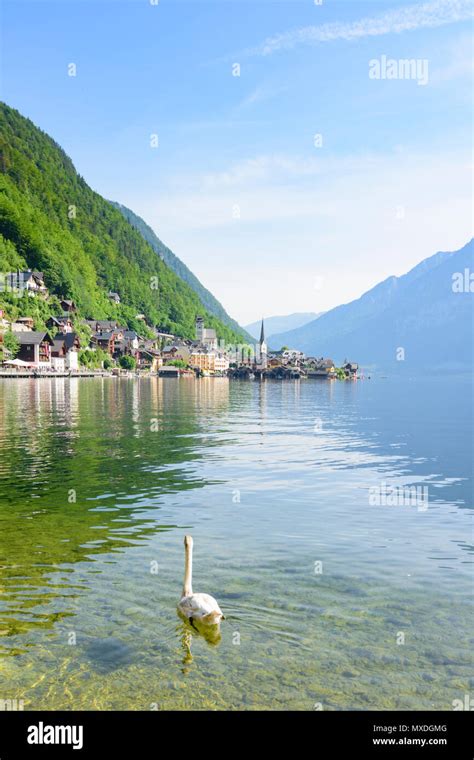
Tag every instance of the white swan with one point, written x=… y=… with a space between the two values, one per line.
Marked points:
x=200 y=609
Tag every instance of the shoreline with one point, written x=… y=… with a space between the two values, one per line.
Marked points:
x=50 y=375
x=147 y=376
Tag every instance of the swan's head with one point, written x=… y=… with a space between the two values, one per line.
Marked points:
x=188 y=542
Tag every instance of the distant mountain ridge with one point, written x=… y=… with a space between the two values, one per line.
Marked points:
x=178 y=267
x=279 y=324
x=418 y=315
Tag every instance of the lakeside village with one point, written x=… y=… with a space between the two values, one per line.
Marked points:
x=75 y=347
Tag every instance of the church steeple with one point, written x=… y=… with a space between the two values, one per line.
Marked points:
x=262 y=348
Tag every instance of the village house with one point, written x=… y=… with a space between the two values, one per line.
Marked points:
x=161 y=333
x=23 y=324
x=68 y=306
x=208 y=360
x=131 y=338
x=62 y=324
x=275 y=359
x=35 y=348
x=126 y=342
x=286 y=356
x=176 y=352
x=101 y=325
x=29 y=280
x=221 y=362
x=162 y=337
x=350 y=369
x=113 y=296
x=149 y=344
x=292 y=356
x=150 y=359
x=104 y=341
x=320 y=367
x=64 y=352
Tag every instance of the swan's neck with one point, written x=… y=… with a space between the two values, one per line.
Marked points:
x=188 y=571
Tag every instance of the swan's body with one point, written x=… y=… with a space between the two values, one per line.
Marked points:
x=197 y=608
x=200 y=606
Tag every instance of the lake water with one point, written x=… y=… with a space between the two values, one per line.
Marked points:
x=332 y=601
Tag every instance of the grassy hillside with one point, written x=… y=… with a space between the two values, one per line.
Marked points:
x=51 y=220
x=211 y=303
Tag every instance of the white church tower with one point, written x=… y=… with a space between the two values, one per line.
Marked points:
x=199 y=329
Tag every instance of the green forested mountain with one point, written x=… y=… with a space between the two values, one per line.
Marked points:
x=51 y=220
x=205 y=296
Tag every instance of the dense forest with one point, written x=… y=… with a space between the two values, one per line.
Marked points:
x=51 y=220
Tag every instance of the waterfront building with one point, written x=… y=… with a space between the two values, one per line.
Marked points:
x=176 y=352
x=35 y=347
x=64 y=352
x=209 y=360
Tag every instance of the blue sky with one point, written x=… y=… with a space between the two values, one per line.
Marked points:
x=270 y=221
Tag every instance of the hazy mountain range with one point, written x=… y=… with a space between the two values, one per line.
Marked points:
x=275 y=325
x=418 y=320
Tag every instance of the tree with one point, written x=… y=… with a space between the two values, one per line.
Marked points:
x=127 y=362
x=86 y=357
x=284 y=348
x=93 y=358
x=10 y=345
x=178 y=363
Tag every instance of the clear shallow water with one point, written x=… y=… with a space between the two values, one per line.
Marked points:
x=270 y=479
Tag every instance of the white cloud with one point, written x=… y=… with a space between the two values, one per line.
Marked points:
x=276 y=169
x=426 y=15
x=260 y=94
x=301 y=219
x=261 y=169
